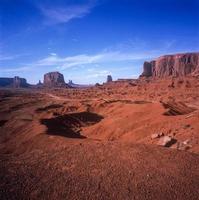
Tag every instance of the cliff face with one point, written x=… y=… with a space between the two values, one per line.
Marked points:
x=54 y=79
x=172 y=65
x=13 y=82
x=147 y=69
x=19 y=82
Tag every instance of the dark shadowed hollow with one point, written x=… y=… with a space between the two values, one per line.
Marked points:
x=69 y=125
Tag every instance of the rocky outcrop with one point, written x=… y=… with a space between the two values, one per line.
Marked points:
x=19 y=82
x=177 y=65
x=39 y=83
x=54 y=79
x=74 y=85
x=147 y=69
x=109 y=79
x=16 y=82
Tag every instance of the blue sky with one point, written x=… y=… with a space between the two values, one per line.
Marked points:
x=88 y=39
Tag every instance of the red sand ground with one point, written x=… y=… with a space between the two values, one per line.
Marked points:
x=96 y=143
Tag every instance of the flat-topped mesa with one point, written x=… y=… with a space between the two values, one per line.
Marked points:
x=15 y=82
x=54 y=79
x=177 y=65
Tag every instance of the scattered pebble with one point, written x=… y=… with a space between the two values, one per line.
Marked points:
x=166 y=141
x=157 y=135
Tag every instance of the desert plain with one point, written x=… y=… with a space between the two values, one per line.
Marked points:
x=133 y=139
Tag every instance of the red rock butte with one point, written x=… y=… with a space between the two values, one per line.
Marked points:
x=54 y=79
x=177 y=65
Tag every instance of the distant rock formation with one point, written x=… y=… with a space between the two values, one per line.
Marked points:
x=39 y=83
x=125 y=79
x=19 y=82
x=74 y=85
x=5 y=82
x=70 y=82
x=177 y=65
x=54 y=79
x=147 y=69
x=97 y=85
x=109 y=79
x=15 y=82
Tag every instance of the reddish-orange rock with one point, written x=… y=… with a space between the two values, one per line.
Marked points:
x=54 y=79
x=172 y=65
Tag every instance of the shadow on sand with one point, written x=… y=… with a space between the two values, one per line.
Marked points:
x=2 y=122
x=69 y=125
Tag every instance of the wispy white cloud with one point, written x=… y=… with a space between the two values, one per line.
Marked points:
x=82 y=59
x=97 y=73
x=19 y=69
x=8 y=57
x=53 y=54
x=64 y=13
x=67 y=62
x=169 y=43
x=75 y=40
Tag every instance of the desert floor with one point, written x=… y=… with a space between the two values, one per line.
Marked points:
x=97 y=143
